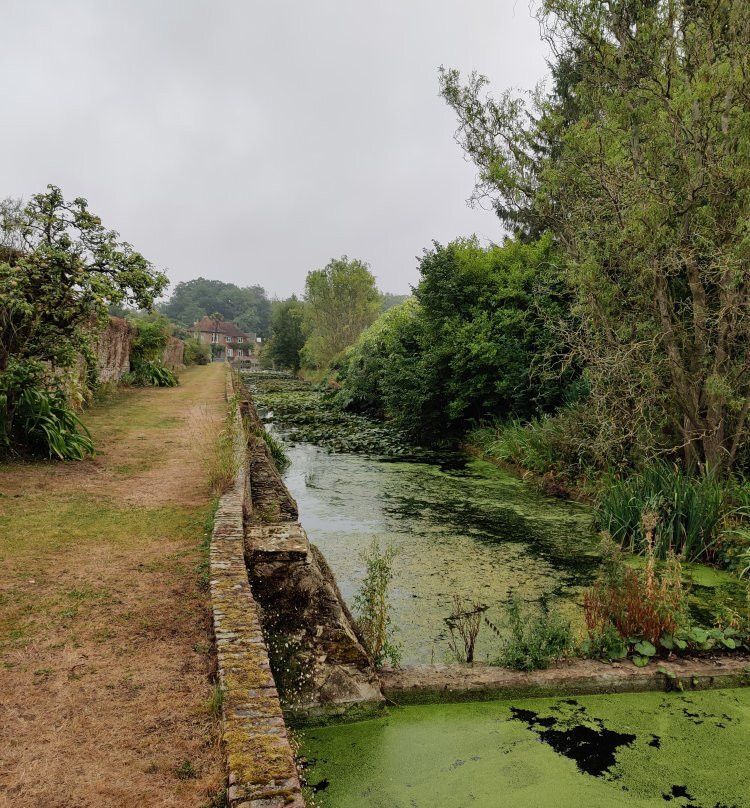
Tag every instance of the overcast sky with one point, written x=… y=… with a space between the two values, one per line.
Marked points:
x=252 y=141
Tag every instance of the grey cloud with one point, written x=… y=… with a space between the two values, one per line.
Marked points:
x=252 y=141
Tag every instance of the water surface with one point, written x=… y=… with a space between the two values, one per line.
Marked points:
x=459 y=525
x=631 y=750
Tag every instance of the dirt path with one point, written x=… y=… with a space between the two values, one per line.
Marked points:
x=105 y=648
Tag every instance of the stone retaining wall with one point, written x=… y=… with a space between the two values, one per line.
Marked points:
x=112 y=348
x=324 y=671
x=451 y=683
x=174 y=352
x=262 y=771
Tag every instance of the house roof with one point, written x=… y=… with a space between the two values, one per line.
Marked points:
x=221 y=326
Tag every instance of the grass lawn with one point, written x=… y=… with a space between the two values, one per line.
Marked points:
x=105 y=645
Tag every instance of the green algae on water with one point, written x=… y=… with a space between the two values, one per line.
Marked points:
x=682 y=749
x=461 y=525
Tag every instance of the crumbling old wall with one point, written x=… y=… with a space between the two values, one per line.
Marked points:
x=112 y=349
x=321 y=668
x=173 y=354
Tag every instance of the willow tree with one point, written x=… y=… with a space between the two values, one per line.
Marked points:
x=341 y=300
x=639 y=162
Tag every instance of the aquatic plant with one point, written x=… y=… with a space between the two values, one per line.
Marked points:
x=604 y=642
x=305 y=414
x=689 y=511
x=535 y=639
x=372 y=607
x=643 y=605
x=559 y=443
x=463 y=624
x=275 y=447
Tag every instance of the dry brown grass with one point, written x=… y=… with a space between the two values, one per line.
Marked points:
x=105 y=644
x=216 y=455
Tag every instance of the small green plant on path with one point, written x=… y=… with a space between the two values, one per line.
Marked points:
x=372 y=605
x=185 y=771
x=215 y=701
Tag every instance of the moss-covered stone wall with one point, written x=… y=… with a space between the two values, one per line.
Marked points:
x=262 y=771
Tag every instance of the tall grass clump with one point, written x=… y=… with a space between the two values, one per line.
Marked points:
x=215 y=452
x=275 y=447
x=690 y=511
x=557 y=444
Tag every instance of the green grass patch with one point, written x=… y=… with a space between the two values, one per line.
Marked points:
x=32 y=526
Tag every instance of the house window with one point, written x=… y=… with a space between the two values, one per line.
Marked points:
x=229 y=339
x=214 y=338
x=240 y=339
x=230 y=353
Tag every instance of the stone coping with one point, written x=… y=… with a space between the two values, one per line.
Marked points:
x=478 y=682
x=262 y=770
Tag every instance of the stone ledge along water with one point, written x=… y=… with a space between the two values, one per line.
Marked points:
x=320 y=666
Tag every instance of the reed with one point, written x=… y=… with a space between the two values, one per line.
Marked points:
x=690 y=511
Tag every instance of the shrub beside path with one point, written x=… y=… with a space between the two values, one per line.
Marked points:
x=105 y=645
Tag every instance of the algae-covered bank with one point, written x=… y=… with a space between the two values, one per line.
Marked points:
x=585 y=752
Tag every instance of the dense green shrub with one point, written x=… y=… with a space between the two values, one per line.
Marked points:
x=42 y=422
x=151 y=374
x=147 y=350
x=60 y=271
x=535 y=639
x=196 y=352
x=476 y=341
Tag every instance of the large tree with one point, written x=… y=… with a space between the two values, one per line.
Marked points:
x=59 y=271
x=287 y=337
x=248 y=307
x=341 y=300
x=639 y=163
x=474 y=342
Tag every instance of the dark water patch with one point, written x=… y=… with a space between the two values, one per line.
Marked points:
x=655 y=742
x=676 y=792
x=593 y=750
x=321 y=785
